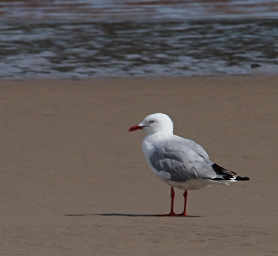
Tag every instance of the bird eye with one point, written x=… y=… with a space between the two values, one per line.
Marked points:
x=151 y=121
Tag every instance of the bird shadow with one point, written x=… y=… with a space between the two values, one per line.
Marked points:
x=115 y=214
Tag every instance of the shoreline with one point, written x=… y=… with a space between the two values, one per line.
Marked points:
x=251 y=75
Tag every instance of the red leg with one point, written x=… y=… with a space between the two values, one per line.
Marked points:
x=172 y=213
x=185 y=203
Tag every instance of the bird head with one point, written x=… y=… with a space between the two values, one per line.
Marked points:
x=155 y=123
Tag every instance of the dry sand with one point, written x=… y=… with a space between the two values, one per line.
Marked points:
x=74 y=182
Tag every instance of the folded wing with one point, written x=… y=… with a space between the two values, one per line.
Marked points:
x=182 y=160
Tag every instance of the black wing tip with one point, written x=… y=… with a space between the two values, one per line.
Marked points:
x=239 y=178
x=221 y=170
x=226 y=174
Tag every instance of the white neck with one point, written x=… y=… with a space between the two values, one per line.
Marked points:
x=159 y=134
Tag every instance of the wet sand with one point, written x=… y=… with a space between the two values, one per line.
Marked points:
x=74 y=181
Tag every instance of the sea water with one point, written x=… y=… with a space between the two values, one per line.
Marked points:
x=120 y=38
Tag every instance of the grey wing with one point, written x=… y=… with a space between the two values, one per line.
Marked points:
x=194 y=146
x=181 y=164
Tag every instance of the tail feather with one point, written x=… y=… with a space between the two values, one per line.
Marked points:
x=224 y=174
x=242 y=178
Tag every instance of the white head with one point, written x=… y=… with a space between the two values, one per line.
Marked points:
x=155 y=123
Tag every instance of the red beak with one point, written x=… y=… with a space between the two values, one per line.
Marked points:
x=135 y=127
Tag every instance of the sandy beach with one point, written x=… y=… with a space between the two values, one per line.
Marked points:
x=73 y=181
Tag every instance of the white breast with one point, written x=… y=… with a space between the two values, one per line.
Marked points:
x=148 y=148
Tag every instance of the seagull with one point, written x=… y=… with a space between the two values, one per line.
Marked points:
x=180 y=162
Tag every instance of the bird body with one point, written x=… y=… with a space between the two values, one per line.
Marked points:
x=180 y=162
x=180 y=167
